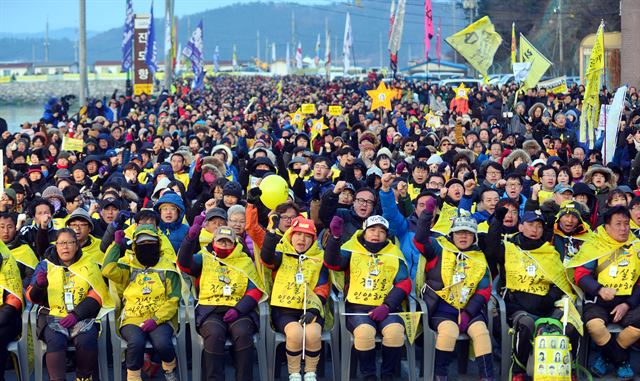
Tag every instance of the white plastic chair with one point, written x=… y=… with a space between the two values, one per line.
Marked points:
x=19 y=347
x=40 y=347
x=347 y=345
x=332 y=338
x=197 y=343
x=179 y=342
x=496 y=302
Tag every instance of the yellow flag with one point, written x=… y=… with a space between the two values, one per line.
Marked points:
x=513 y=43
x=539 y=63
x=411 y=322
x=591 y=103
x=477 y=43
x=570 y=314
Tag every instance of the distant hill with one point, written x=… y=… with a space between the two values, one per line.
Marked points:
x=68 y=33
x=238 y=24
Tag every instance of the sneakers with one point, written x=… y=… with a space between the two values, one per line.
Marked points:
x=600 y=366
x=171 y=376
x=310 y=376
x=295 y=377
x=624 y=371
x=518 y=377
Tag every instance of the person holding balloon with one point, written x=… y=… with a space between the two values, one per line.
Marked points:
x=300 y=290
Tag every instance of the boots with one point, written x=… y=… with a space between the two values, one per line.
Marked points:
x=213 y=366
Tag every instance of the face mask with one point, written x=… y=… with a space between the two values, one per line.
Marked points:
x=260 y=172
x=209 y=177
x=148 y=254
x=56 y=204
x=222 y=253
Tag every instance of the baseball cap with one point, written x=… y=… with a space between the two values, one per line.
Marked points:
x=561 y=188
x=110 y=202
x=224 y=232
x=464 y=223
x=532 y=216
x=303 y=225
x=80 y=213
x=146 y=237
x=376 y=220
x=215 y=212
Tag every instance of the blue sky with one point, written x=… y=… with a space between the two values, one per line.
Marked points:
x=29 y=16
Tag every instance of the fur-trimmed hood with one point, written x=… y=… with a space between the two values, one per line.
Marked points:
x=608 y=174
x=531 y=144
x=215 y=165
x=468 y=154
x=270 y=154
x=515 y=154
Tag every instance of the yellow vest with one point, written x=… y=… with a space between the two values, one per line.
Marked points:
x=461 y=272
x=297 y=274
x=145 y=291
x=445 y=219
x=23 y=254
x=205 y=238
x=371 y=275
x=93 y=250
x=483 y=227
x=60 y=222
x=544 y=195
x=76 y=279
x=413 y=191
x=10 y=279
x=224 y=281
x=622 y=263
x=535 y=271
x=183 y=178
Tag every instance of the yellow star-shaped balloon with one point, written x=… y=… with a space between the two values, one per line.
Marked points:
x=381 y=97
x=461 y=91
x=297 y=118
x=433 y=120
x=317 y=126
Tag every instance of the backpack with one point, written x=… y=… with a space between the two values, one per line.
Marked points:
x=551 y=351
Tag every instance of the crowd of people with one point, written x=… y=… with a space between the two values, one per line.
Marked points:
x=163 y=206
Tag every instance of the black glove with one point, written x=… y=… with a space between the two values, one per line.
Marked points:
x=499 y=214
x=423 y=231
x=253 y=196
x=315 y=192
x=310 y=316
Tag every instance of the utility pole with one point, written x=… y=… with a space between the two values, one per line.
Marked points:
x=293 y=30
x=84 y=83
x=258 y=45
x=168 y=62
x=560 y=37
x=46 y=41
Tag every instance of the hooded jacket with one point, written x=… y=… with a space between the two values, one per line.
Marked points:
x=175 y=231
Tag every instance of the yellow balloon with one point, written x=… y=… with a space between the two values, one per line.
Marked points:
x=275 y=191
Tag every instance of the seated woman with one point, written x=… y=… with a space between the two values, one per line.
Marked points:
x=12 y=303
x=150 y=299
x=299 y=277
x=376 y=283
x=71 y=293
x=228 y=291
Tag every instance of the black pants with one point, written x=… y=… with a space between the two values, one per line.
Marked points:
x=601 y=310
x=86 y=344
x=214 y=333
x=8 y=333
x=136 y=341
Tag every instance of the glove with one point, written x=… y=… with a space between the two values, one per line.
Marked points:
x=118 y=237
x=253 y=196
x=274 y=221
x=464 y=321
x=379 y=313
x=315 y=192
x=123 y=216
x=309 y=317
x=230 y=316
x=194 y=230
x=199 y=165
x=41 y=279
x=431 y=205
x=102 y=171
x=500 y=213
x=336 y=226
x=148 y=325
x=69 y=321
x=401 y=167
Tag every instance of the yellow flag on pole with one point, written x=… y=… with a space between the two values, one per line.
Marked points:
x=570 y=314
x=477 y=43
x=513 y=43
x=411 y=323
x=539 y=63
x=591 y=103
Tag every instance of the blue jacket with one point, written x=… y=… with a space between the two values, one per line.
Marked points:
x=175 y=231
x=480 y=216
x=403 y=228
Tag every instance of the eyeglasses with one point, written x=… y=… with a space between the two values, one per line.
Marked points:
x=78 y=226
x=239 y=222
x=320 y=167
x=493 y=173
x=434 y=185
x=287 y=218
x=66 y=243
x=363 y=201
